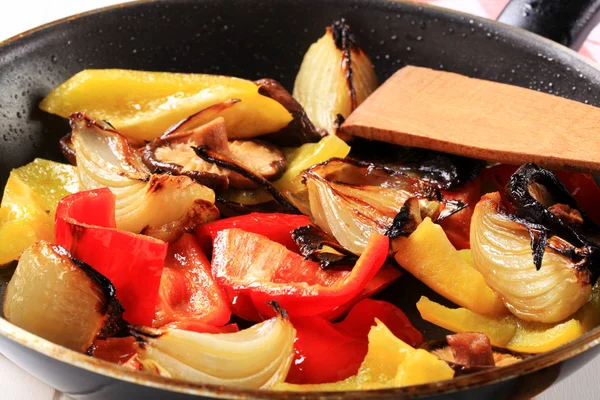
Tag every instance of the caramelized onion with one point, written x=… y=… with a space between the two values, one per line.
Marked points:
x=334 y=78
x=60 y=299
x=349 y=199
x=257 y=357
x=143 y=200
x=500 y=246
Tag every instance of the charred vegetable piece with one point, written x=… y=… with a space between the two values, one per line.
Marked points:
x=326 y=352
x=253 y=270
x=142 y=105
x=511 y=332
x=275 y=226
x=501 y=250
x=105 y=158
x=227 y=162
x=334 y=78
x=316 y=245
x=458 y=226
x=500 y=357
x=389 y=363
x=187 y=289
x=257 y=357
x=85 y=226
x=298 y=132
x=65 y=144
x=350 y=199
x=444 y=171
x=430 y=257
x=290 y=183
x=60 y=299
x=29 y=203
x=173 y=153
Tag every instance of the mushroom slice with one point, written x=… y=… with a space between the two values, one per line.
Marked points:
x=106 y=159
x=298 y=132
x=173 y=153
x=60 y=299
x=500 y=357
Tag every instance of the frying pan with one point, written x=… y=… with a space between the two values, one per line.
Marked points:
x=268 y=38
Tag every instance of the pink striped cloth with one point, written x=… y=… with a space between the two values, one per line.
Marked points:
x=492 y=8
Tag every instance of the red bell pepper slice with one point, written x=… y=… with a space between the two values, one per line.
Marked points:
x=384 y=277
x=85 y=226
x=362 y=316
x=326 y=352
x=275 y=226
x=458 y=226
x=252 y=268
x=580 y=185
x=187 y=288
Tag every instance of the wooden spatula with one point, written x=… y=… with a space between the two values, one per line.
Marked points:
x=448 y=112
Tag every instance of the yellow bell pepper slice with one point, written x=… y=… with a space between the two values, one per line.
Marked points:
x=298 y=159
x=511 y=332
x=29 y=202
x=389 y=363
x=500 y=330
x=142 y=105
x=430 y=257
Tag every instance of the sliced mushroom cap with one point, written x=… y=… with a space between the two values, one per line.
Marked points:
x=443 y=351
x=173 y=153
x=301 y=130
x=261 y=157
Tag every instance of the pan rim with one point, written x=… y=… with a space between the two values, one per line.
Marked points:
x=483 y=378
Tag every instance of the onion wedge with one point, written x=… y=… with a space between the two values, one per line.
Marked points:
x=62 y=300
x=257 y=357
x=143 y=200
x=334 y=78
x=501 y=250
x=350 y=199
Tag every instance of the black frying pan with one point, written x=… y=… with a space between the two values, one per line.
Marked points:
x=268 y=38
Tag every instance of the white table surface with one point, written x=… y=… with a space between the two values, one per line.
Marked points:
x=17 y=16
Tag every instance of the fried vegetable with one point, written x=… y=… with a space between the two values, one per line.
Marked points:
x=316 y=245
x=389 y=363
x=501 y=250
x=511 y=332
x=173 y=153
x=441 y=349
x=298 y=132
x=257 y=357
x=142 y=105
x=187 y=289
x=290 y=183
x=85 y=227
x=254 y=270
x=444 y=171
x=430 y=257
x=334 y=78
x=227 y=162
x=350 y=199
x=29 y=203
x=106 y=159
x=60 y=299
